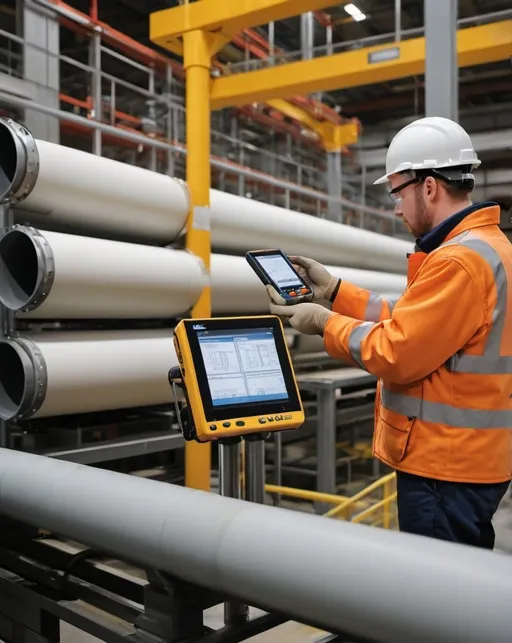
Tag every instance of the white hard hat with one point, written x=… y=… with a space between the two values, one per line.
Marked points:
x=429 y=143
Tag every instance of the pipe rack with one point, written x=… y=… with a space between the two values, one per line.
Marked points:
x=64 y=188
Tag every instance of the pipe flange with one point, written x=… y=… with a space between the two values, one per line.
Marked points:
x=45 y=267
x=35 y=386
x=27 y=163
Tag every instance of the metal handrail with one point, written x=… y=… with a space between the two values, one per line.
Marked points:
x=344 y=506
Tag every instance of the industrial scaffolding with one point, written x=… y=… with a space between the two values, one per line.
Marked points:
x=125 y=101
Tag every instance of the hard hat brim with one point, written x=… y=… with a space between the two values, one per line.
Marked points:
x=382 y=179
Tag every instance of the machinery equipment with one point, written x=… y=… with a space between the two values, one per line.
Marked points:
x=238 y=377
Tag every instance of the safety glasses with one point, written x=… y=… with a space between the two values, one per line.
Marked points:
x=394 y=193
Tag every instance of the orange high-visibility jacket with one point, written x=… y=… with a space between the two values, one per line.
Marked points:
x=443 y=355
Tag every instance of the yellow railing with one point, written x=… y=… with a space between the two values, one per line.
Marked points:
x=363 y=506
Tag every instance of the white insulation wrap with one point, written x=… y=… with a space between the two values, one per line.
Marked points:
x=242 y=224
x=77 y=191
x=50 y=275
x=57 y=373
x=54 y=275
x=92 y=192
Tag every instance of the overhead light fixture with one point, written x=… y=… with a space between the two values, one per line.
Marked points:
x=355 y=12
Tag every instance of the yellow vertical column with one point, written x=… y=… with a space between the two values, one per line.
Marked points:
x=197 y=63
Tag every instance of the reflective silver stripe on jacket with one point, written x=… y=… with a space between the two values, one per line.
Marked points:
x=356 y=337
x=491 y=362
x=375 y=305
x=440 y=413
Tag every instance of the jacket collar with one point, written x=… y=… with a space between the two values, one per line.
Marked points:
x=474 y=216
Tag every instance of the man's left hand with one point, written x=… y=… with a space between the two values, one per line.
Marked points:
x=307 y=318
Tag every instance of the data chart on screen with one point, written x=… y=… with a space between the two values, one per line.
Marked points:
x=279 y=270
x=242 y=367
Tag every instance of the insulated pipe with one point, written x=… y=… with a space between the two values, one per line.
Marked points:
x=243 y=224
x=64 y=373
x=371 y=584
x=237 y=289
x=51 y=275
x=61 y=373
x=64 y=189
x=64 y=186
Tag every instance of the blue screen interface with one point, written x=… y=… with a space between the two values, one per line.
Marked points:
x=242 y=367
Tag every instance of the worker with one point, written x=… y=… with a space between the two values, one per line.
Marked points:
x=442 y=352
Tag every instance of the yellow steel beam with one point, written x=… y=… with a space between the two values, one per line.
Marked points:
x=226 y=16
x=334 y=137
x=199 y=47
x=475 y=45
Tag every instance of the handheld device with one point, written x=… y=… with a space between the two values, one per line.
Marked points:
x=237 y=377
x=273 y=267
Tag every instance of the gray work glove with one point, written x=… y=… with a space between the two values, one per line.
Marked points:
x=307 y=318
x=321 y=281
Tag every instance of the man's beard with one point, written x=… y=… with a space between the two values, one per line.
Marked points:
x=423 y=222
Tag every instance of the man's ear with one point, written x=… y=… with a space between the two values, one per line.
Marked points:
x=431 y=188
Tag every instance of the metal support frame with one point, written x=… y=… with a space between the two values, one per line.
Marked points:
x=441 y=69
x=230 y=452
x=334 y=185
x=41 y=44
x=45 y=585
x=363 y=66
x=398 y=20
x=307 y=38
x=227 y=18
x=255 y=468
x=199 y=47
x=325 y=384
x=97 y=97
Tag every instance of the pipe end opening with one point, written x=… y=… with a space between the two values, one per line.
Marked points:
x=19 y=162
x=20 y=274
x=12 y=381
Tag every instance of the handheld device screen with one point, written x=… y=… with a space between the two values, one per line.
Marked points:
x=242 y=366
x=280 y=271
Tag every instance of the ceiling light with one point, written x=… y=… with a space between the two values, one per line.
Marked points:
x=351 y=9
x=355 y=12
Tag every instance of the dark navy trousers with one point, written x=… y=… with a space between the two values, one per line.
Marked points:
x=456 y=511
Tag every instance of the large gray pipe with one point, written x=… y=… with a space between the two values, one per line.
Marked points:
x=371 y=583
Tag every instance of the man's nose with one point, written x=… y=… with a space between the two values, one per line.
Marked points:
x=398 y=209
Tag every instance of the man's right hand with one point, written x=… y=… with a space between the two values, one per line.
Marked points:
x=321 y=281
